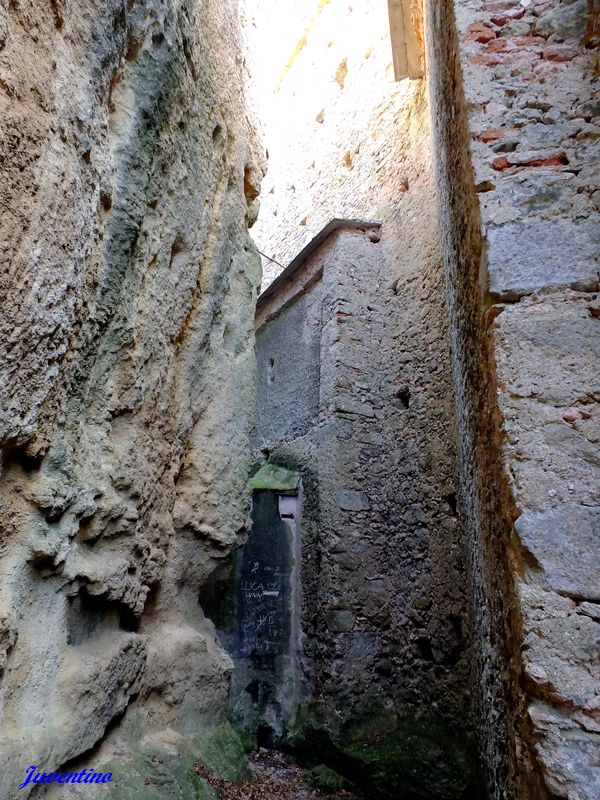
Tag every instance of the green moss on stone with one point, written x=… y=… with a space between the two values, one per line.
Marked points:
x=393 y=759
x=275 y=479
x=219 y=748
x=156 y=772
x=420 y=759
x=144 y=780
x=324 y=779
x=248 y=739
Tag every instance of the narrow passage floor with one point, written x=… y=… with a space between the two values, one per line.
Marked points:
x=277 y=777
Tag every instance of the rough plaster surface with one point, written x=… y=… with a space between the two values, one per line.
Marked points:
x=126 y=356
x=330 y=115
x=515 y=117
x=289 y=367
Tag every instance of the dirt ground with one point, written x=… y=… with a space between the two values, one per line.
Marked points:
x=274 y=777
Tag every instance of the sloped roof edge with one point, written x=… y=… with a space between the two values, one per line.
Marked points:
x=303 y=256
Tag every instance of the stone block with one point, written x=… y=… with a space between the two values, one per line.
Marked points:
x=533 y=253
x=340 y=621
x=549 y=350
x=565 y=542
x=568 y=752
x=567 y=20
x=349 y=405
x=547 y=356
x=350 y=500
x=276 y=479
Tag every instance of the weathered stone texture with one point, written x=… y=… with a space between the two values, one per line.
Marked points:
x=560 y=253
x=383 y=574
x=391 y=546
x=385 y=634
x=330 y=120
x=517 y=161
x=126 y=355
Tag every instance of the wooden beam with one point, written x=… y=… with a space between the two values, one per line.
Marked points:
x=406 y=39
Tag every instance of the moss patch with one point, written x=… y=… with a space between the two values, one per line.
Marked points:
x=325 y=779
x=221 y=751
x=275 y=479
x=144 y=780
x=413 y=759
x=154 y=771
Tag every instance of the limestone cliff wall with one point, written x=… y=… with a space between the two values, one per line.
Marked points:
x=515 y=119
x=126 y=353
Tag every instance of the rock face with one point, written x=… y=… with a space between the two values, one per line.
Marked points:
x=126 y=354
x=513 y=89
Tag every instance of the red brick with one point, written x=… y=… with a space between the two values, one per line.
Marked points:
x=485 y=38
x=493 y=134
x=487 y=60
x=496 y=45
x=549 y=70
x=477 y=27
x=502 y=19
x=504 y=162
x=500 y=163
x=499 y=5
x=530 y=41
x=506 y=6
x=572 y=415
x=555 y=161
x=560 y=52
x=478 y=32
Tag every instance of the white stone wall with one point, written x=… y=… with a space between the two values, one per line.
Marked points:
x=330 y=108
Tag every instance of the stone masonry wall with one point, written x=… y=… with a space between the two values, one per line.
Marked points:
x=392 y=630
x=333 y=115
x=513 y=90
x=384 y=575
x=384 y=626
x=128 y=284
x=289 y=369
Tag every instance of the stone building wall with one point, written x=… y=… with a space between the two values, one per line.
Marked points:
x=126 y=354
x=382 y=575
x=514 y=106
x=385 y=620
x=289 y=370
x=336 y=126
x=392 y=629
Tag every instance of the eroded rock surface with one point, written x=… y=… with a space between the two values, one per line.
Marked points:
x=126 y=352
